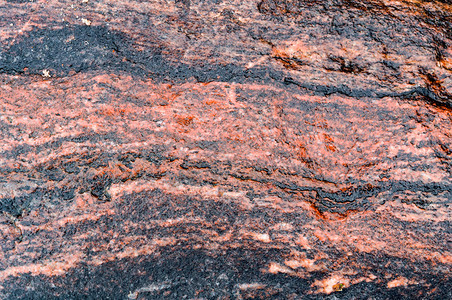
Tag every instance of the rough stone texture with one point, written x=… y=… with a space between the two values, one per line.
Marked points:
x=225 y=149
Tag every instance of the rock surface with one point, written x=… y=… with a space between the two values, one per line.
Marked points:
x=225 y=149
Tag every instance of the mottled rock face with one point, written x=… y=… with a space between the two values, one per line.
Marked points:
x=225 y=149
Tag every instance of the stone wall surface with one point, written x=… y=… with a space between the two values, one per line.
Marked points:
x=225 y=149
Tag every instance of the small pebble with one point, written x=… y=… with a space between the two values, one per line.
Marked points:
x=86 y=22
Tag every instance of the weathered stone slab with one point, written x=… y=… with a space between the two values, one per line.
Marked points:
x=225 y=149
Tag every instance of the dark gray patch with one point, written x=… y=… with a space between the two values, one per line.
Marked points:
x=87 y=48
x=75 y=48
x=195 y=164
x=17 y=206
x=185 y=273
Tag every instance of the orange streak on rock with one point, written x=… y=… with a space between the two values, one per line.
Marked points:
x=50 y=268
x=325 y=286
